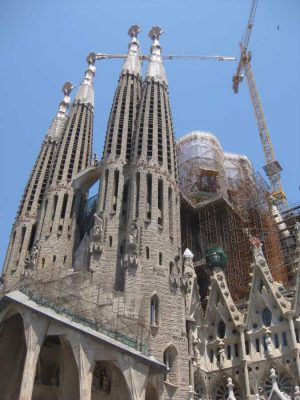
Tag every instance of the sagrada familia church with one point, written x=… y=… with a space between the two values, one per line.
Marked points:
x=180 y=280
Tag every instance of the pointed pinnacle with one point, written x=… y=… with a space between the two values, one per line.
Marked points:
x=91 y=58
x=155 y=32
x=134 y=30
x=67 y=88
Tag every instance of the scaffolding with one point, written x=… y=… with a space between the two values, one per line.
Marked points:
x=201 y=166
x=230 y=223
x=82 y=297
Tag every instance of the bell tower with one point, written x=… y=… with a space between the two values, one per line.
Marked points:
x=113 y=206
x=57 y=229
x=21 y=251
x=153 y=254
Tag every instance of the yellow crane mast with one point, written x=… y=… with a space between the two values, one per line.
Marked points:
x=272 y=167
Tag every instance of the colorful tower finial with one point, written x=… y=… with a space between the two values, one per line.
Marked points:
x=65 y=103
x=155 y=68
x=85 y=94
x=132 y=64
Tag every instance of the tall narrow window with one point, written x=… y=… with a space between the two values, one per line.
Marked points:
x=147 y=253
x=54 y=206
x=32 y=235
x=211 y=356
x=137 y=194
x=105 y=189
x=236 y=349
x=125 y=199
x=149 y=196
x=160 y=202
x=116 y=188
x=228 y=352
x=170 y=360
x=160 y=258
x=64 y=206
x=22 y=238
x=284 y=339
x=154 y=309
x=170 y=204
x=276 y=340
x=247 y=347
x=257 y=345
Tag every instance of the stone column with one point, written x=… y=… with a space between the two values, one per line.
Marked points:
x=136 y=376
x=35 y=329
x=294 y=342
x=244 y=362
x=84 y=356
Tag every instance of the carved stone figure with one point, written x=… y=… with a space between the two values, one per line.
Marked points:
x=98 y=226
x=222 y=356
x=31 y=260
x=95 y=159
x=133 y=235
x=33 y=254
x=196 y=349
x=269 y=344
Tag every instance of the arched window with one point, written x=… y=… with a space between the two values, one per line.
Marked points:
x=267 y=316
x=221 y=329
x=154 y=310
x=171 y=360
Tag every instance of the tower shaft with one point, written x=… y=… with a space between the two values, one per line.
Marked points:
x=57 y=229
x=22 y=241
x=113 y=202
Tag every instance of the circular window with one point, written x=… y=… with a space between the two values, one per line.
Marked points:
x=267 y=317
x=284 y=381
x=221 y=329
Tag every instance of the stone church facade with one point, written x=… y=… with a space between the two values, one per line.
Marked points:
x=105 y=304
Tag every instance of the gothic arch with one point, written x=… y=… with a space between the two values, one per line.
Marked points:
x=56 y=374
x=12 y=354
x=108 y=382
x=154 y=310
x=170 y=359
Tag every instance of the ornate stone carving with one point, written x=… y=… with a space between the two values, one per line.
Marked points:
x=131 y=258
x=96 y=234
x=269 y=344
x=31 y=260
x=221 y=354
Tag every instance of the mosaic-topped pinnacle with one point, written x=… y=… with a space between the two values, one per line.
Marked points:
x=85 y=92
x=64 y=104
x=134 y=30
x=132 y=63
x=67 y=88
x=91 y=58
x=155 y=33
x=155 y=68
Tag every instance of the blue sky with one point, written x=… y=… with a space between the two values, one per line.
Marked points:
x=45 y=42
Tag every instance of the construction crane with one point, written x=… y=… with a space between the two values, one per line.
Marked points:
x=92 y=57
x=272 y=167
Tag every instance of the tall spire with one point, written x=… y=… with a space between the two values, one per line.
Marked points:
x=132 y=64
x=20 y=250
x=85 y=94
x=155 y=68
